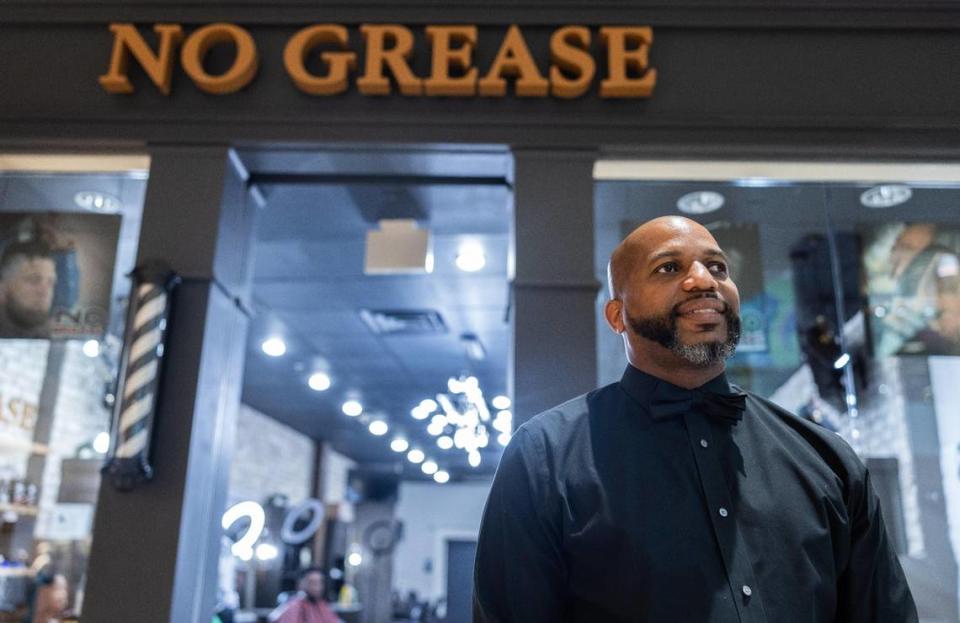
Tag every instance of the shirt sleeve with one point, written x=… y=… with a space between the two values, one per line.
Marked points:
x=872 y=588
x=520 y=574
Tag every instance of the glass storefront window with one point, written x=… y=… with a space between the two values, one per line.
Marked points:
x=850 y=297
x=68 y=236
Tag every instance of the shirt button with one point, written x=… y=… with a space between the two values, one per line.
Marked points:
x=723 y=512
x=703 y=443
x=747 y=590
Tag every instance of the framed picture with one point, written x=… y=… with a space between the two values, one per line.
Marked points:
x=56 y=273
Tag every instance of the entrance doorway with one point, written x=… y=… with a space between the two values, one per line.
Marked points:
x=376 y=377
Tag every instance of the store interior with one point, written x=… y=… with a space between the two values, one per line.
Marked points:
x=377 y=391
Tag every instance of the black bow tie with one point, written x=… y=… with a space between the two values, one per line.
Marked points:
x=669 y=400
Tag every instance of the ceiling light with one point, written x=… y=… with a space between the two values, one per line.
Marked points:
x=399 y=444
x=101 y=443
x=503 y=439
x=700 y=202
x=355 y=559
x=378 y=427
x=470 y=257
x=429 y=405
x=415 y=456
x=445 y=442
x=91 y=348
x=442 y=477
x=419 y=413
x=97 y=201
x=500 y=402
x=429 y=468
x=886 y=196
x=435 y=429
x=474 y=459
x=352 y=408
x=274 y=346
x=319 y=382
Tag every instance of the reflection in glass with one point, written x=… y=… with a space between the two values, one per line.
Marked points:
x=66 y=241
x=851 y=319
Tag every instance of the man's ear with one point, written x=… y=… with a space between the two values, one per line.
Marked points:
x=612 y=311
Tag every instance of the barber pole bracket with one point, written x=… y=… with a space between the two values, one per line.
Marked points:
x=140 y=365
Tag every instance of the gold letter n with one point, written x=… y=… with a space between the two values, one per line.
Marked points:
x=159 y=67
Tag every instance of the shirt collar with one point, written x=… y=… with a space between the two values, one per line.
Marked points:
x=640 y=386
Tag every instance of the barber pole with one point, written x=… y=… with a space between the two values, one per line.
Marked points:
x=140 y=365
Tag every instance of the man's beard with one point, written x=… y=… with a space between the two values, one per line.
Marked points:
x=662 y=329
x=24 y=317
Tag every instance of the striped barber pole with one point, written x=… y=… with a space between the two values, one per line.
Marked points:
x=139 y=377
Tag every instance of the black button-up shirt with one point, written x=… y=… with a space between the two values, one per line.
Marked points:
x=601 y=513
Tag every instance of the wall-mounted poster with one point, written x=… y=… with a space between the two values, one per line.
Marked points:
x=56 y=271
x=913 y=286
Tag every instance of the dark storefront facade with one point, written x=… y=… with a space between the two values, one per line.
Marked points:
x=793 y=115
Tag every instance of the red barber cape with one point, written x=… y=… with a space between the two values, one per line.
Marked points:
x=300 y=610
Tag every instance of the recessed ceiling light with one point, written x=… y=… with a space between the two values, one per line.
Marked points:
x=319 y=381
x=96 y=201
x=501 y=402
x=353 y=408
x=429 y=468
x=274 y=346
x=399 y=444
x=503 y=439
x=700 y=202
x=445 y=442
x=415 y=456
x=441 y=477
x=474 y=459
x=91 y=348
x=428 y=404
x=419 y=413
x=101 y=443
x=471 y=258
x=886 y=196
x=378 y=427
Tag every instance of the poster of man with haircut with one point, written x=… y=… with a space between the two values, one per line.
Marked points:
x=56 y=273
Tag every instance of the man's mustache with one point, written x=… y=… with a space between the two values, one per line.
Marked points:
x=675 y=311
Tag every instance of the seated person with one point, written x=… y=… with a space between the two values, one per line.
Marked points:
x=307 y=606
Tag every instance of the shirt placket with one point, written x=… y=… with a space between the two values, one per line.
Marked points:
x=733 y=549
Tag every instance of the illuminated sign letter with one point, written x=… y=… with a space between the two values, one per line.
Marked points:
x=339 y=63
x=373 y=82
x=159 y=66
x=568 y=53
x=514 y=59
x=620 y=59
x=446 y=57
x=244 y=66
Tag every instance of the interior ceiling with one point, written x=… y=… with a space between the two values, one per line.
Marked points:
x=310 y=288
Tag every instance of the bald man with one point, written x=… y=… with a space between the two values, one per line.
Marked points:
x=673 y=496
